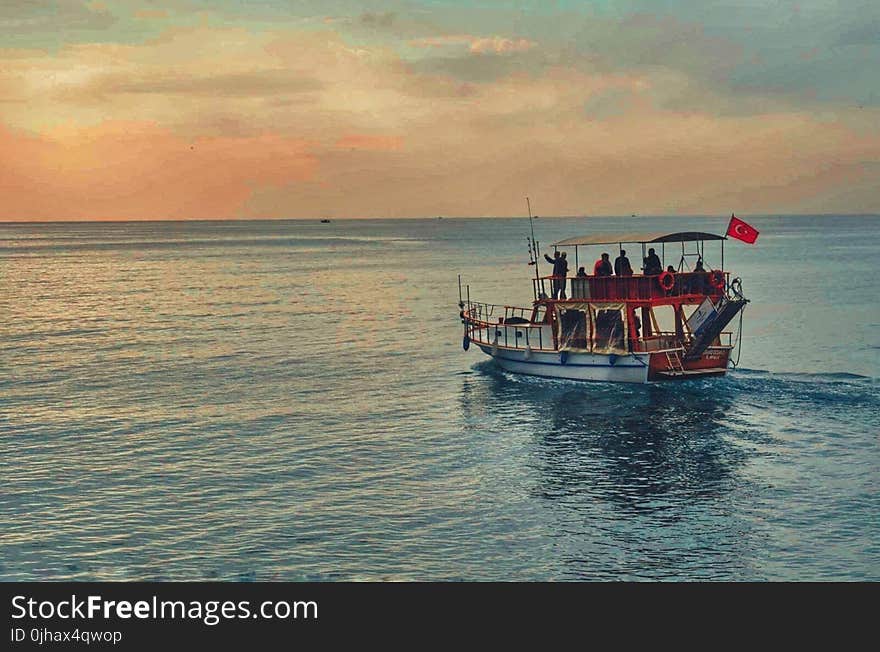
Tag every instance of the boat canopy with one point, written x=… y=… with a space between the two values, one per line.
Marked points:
x=640 y=238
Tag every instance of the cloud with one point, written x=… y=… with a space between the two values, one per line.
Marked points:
x=242 y=84
x=656 y=163
x=501 y=45
x=297 y=122
x=475 y=44
x=482 y=68
x=192 y=76
x=37 y=14
x=40 y=22
x=808 y=53
x=378 y=20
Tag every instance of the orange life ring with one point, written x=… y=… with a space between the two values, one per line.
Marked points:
x=666 y=281
x=716 y=279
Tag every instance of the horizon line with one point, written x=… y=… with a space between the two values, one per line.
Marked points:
x=411 y=218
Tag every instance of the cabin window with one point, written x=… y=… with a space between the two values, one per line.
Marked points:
x=573 y=329
x=540 y=315
x=609 y=330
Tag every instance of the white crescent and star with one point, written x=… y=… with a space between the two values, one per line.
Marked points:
x=741 y=230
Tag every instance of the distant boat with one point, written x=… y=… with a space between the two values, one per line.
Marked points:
x=325 y=221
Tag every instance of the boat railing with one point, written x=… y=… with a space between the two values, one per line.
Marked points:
x=669 y=341
x=639 y=287
x=486 y=312
x=659 y=342
x=512 y=329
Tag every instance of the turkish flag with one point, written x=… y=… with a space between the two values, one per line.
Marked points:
x=741 y=231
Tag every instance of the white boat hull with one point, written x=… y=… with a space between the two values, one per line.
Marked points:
x=631 y=368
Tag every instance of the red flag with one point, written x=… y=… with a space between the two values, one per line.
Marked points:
x=741 y=231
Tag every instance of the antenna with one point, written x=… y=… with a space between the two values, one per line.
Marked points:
x=534 y=247
x=532 y=226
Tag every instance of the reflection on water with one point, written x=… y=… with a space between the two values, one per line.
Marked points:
x=638 y=478
x=700 y=480
x=632 y=444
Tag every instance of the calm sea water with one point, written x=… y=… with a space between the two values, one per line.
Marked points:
x=289 y=400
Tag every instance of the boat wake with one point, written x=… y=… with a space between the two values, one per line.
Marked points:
x=843 y=399
x=740 y=374
x=826 y=376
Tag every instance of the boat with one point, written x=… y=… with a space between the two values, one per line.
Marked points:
x=638 y=328
x=325 y=221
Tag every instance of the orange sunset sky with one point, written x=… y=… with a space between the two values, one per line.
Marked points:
x=188 y=109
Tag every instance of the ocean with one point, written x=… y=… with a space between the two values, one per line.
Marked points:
x=289 y=400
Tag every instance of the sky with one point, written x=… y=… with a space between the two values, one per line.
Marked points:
x=233 y=109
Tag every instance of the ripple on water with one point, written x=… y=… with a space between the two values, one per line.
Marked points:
x=289 y=401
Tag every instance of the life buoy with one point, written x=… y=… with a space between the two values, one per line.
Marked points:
x=666 y=281
x=716 y=279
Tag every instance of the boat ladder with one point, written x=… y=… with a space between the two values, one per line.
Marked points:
x=673 y=361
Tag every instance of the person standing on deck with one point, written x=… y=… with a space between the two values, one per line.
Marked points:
x=697 y=284
x=555 y=262
x=603 y=266
x=622 y=266
x=563 y=273
x=560 y=269
x=653 y=266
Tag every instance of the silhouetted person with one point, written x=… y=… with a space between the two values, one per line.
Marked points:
x=653 y=266
x=603 y=266
x=560 y=269
x=637 y=327
x=582 y=273
x=563 y=273
x=698 y=280
x=555 y=262
x=670 y=270
x=622 y=266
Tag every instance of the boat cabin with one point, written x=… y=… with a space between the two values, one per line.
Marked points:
x=638 y=311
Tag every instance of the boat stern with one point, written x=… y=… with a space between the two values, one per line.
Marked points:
x=672 y=365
